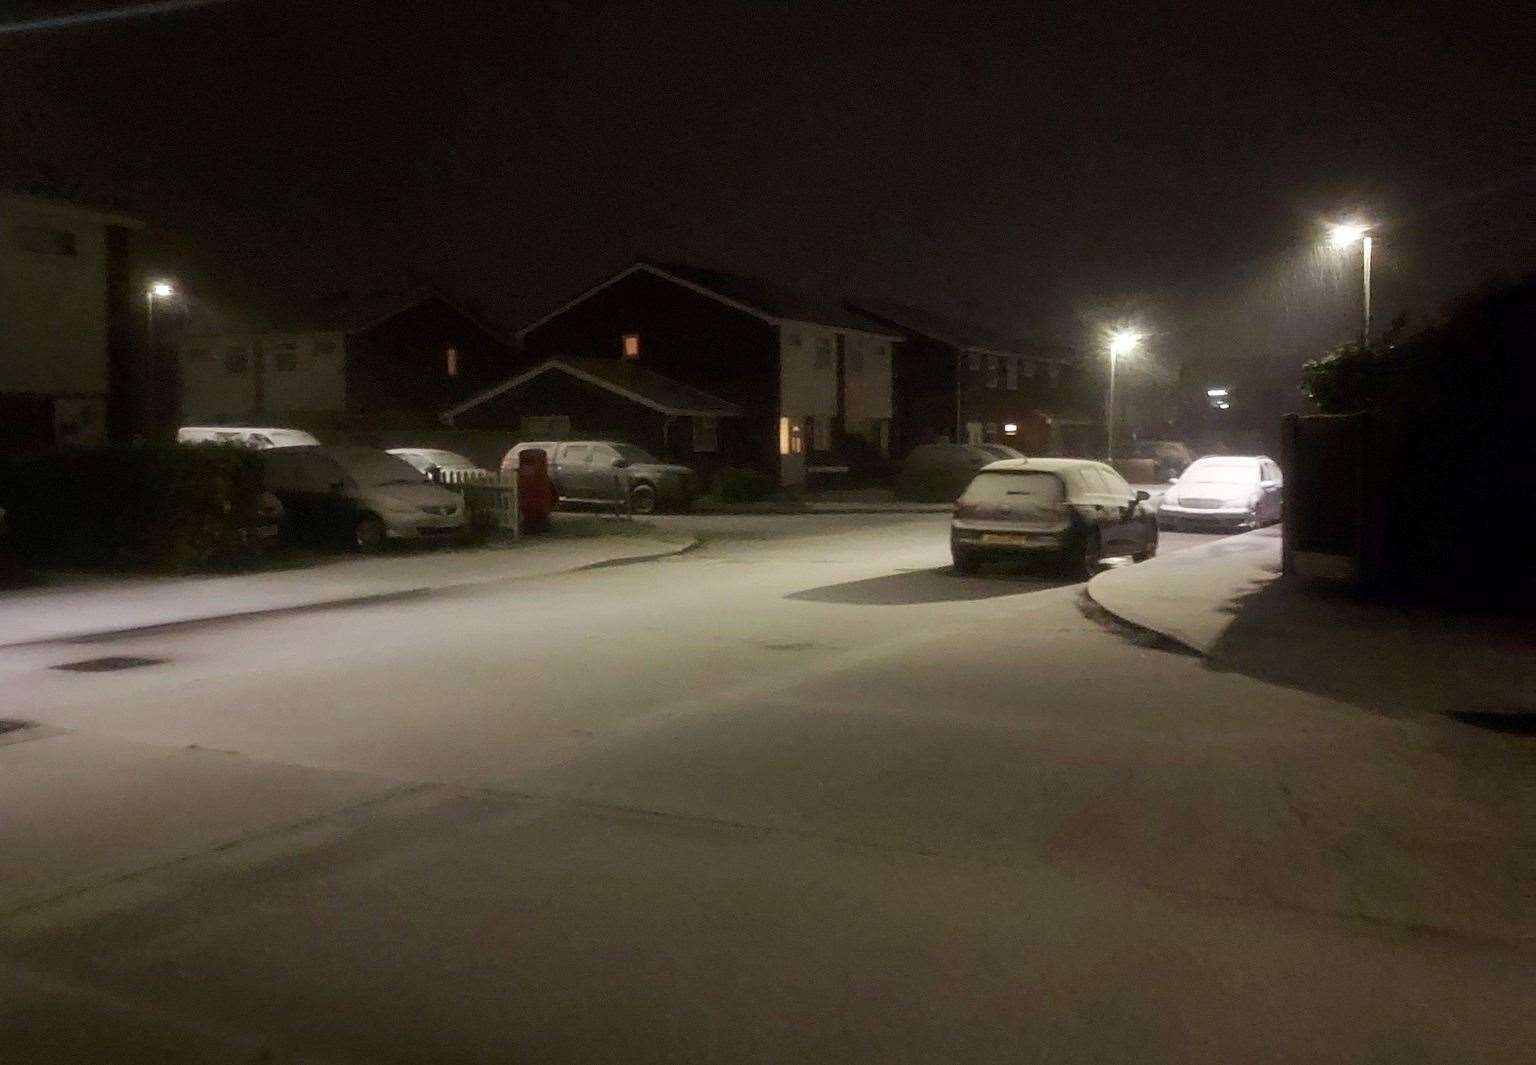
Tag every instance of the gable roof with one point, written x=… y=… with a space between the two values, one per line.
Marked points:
x=772 y=302
x=966 y=336
x=623 y=377
x=343 y=314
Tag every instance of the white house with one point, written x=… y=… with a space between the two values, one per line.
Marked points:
x=66 y=321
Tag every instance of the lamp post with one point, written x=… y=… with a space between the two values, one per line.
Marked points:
x=1121 y=342
x=157 y=290
x=1343 y=235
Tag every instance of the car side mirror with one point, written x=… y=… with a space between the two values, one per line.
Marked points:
x=1142 y=497
x=620 y=464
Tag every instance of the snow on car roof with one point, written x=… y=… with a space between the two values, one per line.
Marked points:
x=1047 y=465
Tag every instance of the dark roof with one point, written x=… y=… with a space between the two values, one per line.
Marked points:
x=955 y=333
x=770 y=297
x=623 y=377
x=342 y=313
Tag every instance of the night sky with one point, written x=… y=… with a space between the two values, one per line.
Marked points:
x=1038 y=165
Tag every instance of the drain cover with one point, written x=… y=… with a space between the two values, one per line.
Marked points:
x=107 y=665
x=13 y=726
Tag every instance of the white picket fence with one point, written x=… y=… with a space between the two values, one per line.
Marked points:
x=490 y=499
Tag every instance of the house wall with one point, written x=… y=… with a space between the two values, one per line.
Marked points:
x=211 y=392
x=56 y=362
x=688 y=337
x=401 y=365
x=987 y=401
x=598 y=414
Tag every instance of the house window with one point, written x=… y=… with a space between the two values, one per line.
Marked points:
x=451 y=359
x=823 y=353
x=973 y=361
x=991 y=371
x=790 y=440
x=236 y=360
x=821 y=434
x=1011 y=373
x=856 y=359
x=631 y=345
x=706 y=433
x=1028 y=369
x=285 y=357
x=40 y=240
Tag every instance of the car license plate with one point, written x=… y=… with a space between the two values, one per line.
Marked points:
x=1005 y=538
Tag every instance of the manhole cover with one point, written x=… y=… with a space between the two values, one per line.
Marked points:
x=13 y=726
x=1516 y=722
x=109 y=664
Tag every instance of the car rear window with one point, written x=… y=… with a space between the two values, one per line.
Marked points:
x=1043 y=489
x=1222 y=472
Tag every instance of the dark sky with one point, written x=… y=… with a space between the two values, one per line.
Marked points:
x=1039 y=164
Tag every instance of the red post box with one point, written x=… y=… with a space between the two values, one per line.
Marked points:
x=535 y=491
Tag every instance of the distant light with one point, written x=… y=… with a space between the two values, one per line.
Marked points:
x=1123 y=342
x=1223 y=405
x=1213 y=392
x=1343 y=234
x=162 y=290
x=1010 y=429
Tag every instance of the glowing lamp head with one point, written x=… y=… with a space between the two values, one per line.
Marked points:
x=1123 y=342
x=1344 y=234
x=162 y=290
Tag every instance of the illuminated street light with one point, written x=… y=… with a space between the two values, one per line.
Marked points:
x=1342 y=235
x=159 y=289
x=1121 y=342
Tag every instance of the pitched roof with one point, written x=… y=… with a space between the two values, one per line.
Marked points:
x=966 y=336
x=623 y=377
x=345 y=313
x=768 y=300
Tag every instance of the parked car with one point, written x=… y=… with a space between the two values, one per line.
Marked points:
x=429 y=460
x=1075 y=511
x=597 y=471
x=937 y=473
x=244 y=436
x=1223 y=492
x=359 y=495
x=1170 y=456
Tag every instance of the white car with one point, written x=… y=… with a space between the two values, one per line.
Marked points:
x=359 y=494
x=244 y=436
x=431 y=459
x=1223 y=492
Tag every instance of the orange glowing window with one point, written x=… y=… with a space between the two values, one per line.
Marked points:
x=452 y=359
x=631 y=345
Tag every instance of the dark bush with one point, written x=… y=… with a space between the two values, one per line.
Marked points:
x=741 y=485
x=932 y=484
x=160 y=508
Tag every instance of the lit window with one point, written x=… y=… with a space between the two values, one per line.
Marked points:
x=706 y=434
x=1011 y=372
x=783 y=436
x=631 y=345
x=451 y=356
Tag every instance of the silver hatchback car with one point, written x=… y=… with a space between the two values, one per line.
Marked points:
x=1076 y=512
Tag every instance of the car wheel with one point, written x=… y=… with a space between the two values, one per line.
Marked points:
x=368 y=533
x=1080 y=559
x=966 y=563
x=642 y=500
x=1149 y=545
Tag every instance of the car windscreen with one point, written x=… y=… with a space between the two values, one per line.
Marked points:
x=377 y=469
x=1025 y=492
x=1222 y=473
x=632 y=454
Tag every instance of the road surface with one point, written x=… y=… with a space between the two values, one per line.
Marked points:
x=800 y=795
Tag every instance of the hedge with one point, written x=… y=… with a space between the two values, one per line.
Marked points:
x=156 y=508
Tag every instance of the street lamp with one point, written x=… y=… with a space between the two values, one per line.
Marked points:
x=1121 y=342
x=156 y=290
x=1342 y=235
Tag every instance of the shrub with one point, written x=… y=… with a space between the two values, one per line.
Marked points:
x=163 y=508
x=741 y=485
